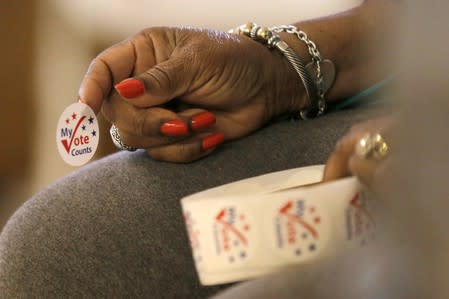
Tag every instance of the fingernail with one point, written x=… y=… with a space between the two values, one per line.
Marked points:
x=202 y=121
x=174 y=127
x=130 y=88
x=212 y=141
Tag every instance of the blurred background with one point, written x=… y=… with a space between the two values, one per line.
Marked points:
x=46 y=47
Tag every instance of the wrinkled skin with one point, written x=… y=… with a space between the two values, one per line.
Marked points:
x=186 y=71
x=344 y=161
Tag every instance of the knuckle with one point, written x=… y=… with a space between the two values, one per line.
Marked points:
x=156 y=154
x=355 y=128
x=109 y=111
x=141 y=125
x=179 y=153
x=186 y=152
x=341 y=145
x=160 y=77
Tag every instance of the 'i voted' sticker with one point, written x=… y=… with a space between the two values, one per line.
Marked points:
x=77 y=134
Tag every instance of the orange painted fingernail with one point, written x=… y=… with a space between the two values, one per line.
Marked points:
x=130 y=88
x=202 y=121
x=212 y=141
x=174 y=127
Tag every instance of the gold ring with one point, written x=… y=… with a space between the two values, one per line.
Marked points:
x=372 y=146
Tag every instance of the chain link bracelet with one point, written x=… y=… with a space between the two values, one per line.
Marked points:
x=315 y=89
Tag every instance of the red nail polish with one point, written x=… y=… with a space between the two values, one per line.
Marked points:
x=202 y=121
x=212 y=141
x=174 y=127
x=130 y=88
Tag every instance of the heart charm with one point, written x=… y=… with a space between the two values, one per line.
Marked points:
x=327 y=70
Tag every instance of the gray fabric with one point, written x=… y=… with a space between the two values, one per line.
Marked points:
x=114 y=228
x=370 y=274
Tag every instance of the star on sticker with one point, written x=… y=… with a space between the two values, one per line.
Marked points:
x=83 y=127
x=94 y=133
x=91 y=120
x=74 y=116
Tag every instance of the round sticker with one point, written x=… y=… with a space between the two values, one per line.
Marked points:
x=77 y=134
x=298 y=228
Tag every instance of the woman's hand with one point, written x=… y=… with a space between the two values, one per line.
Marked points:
x=235 y=84
x=345 y=160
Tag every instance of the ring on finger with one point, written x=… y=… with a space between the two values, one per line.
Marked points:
x=115 y=136
x=372 y=146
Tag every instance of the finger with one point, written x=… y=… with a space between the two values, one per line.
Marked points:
x=159 y=84
x=199 y=120
x=145 y=142
x=114 y=63
x=189 y=150
x=136 y=121
x=364 y=169
x=242 y=120
x=134 y=55
x=156 y=121
x=337 y=163
x=186 y=124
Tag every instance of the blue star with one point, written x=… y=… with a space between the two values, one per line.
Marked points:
x=83 y=127
x=91 y=120
x=94 y=133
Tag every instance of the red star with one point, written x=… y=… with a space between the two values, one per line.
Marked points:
x=317 y=220
x=74 y=115
x=67 y=121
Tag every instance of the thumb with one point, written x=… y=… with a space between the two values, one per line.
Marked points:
x=158 y=85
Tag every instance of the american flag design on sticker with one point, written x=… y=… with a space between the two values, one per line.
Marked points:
x=297 y=227
x=231 y=230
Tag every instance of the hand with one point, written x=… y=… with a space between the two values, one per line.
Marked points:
x=235 y=84
x=344 y=160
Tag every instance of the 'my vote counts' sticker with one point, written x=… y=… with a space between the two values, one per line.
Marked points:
x=77 y=134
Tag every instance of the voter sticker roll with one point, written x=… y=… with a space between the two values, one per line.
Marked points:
x=77 y=134
x=265 y=224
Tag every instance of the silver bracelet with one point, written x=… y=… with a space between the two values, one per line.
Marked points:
x=324 y=69
x=315 y=90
